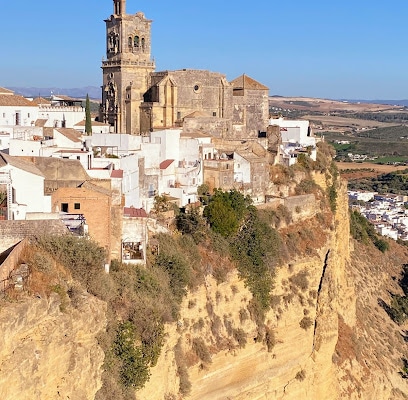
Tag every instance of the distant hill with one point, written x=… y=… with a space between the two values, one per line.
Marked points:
x=386 y=102
x=292 y=106
x=94 y=92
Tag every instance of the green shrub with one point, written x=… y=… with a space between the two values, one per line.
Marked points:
x=381 y=245
x=270 y=339
x=243 y=315
x=306 y=186
x=134 y=369
x=301 y=375
x=83 y=257
x=192 y=223
x=256 y=252
x=332 y=194
x=178 y=271
x=240 y=336
x=305 y=161
x=300 y=280
x=362 y=230
x=201 y=349
x=306 y=323
x=185 y=384
x=399 y=308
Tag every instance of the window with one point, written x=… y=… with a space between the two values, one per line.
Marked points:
x=18 y=118
x=151 y=192
x=4 y=115
x=178 y=115
x=64 y=207
x=130 y=41
x=214 y=114
x=143 y=43
x=77 y=206
x=28 y=115
x=132 y=250
x=136 y=41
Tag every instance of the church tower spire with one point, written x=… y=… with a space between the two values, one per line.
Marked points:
x=119 y=7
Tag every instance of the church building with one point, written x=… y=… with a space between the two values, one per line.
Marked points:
x=137 y=100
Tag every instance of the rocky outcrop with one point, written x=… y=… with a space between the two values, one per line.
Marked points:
x=313 y=323
x=327 y=335
x=47 y=354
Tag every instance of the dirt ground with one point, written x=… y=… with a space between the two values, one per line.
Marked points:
x=349 y=170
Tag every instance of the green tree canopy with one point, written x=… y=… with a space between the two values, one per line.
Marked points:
x=226 y=210
x=88 y=122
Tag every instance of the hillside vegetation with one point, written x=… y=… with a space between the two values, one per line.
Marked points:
x=230 y=236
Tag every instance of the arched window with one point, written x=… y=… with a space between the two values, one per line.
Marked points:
x=143 y=43
x=130 y=41
x=136 y=41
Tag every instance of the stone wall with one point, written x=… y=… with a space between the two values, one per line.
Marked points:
x=301 y=207
x=10 y=263
x=11 y=232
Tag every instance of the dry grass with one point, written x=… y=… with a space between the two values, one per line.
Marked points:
x=375 y=341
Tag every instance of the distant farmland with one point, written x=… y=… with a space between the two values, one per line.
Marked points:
x=382 y=142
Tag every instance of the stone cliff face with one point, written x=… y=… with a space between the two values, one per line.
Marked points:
x=314 y=351
x=326 y=335
x=46 y=354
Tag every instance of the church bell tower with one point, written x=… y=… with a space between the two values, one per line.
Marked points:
x=126 y=69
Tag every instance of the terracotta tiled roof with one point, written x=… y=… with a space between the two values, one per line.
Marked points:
x=41 y=100
x=14 y=100
x=91 y=186
x=165 y=164
x=198 y=114
x=248 y=155
x=195 y=135
x=71 y=134
x=62 y=97
x=117 y=173
x=72 y=151
x=134 y=212
x=5 y=91
x=245 y=82
x=19 y=163
x=55 y=168
x=94 y=123
x=48 y=131
x=40 y=122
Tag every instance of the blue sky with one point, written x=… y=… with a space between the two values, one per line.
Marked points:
x=349 y=49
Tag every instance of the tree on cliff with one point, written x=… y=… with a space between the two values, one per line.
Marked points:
x=226 y=210
x=88 y=122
